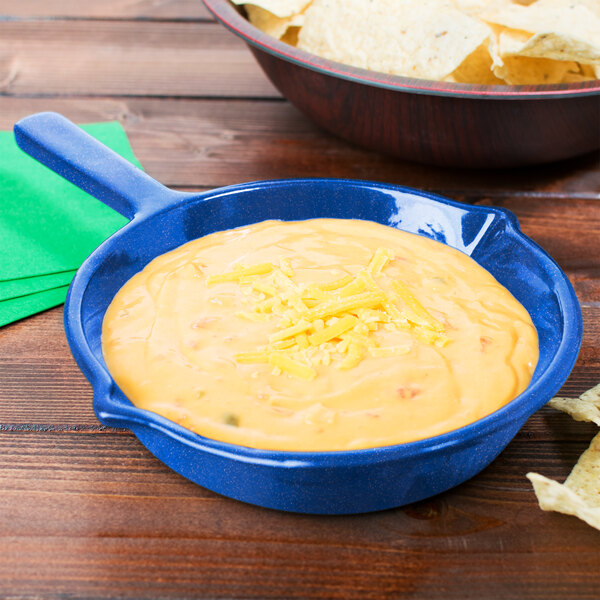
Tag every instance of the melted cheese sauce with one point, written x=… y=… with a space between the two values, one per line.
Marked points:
x=170 y=340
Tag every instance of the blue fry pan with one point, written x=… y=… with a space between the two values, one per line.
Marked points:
x=309 y=482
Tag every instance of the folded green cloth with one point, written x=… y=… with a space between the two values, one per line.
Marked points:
x=14 y=288
x=47 y=226
x=25 y=306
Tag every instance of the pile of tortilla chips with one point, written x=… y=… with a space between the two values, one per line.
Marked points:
x=579 y=495
x=494 y=42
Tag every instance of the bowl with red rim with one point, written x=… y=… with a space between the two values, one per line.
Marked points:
x=433 y=122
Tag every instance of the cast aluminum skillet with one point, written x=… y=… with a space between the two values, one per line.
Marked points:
x=310 y=482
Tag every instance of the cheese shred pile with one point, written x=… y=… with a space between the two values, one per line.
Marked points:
x=328 y=323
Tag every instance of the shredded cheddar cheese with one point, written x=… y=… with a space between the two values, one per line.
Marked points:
x=333 y=285
x=318 y=324
x=416 y=312
x=288 y=365
x=334 y=330
x=288 y=332
x=379 y=260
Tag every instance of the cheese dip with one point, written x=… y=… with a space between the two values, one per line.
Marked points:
x=325 y=334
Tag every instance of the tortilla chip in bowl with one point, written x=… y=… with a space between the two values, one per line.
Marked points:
x=465 y=88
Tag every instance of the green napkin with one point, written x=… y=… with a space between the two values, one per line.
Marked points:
x=14 y=288
x=24 y=306
x=47 y=225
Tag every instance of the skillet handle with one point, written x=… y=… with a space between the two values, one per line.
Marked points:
x=75 y=155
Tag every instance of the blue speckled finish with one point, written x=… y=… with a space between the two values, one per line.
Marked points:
x=311 y=482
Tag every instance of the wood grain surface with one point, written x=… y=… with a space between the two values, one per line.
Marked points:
x=176 y=10
x=87 y=512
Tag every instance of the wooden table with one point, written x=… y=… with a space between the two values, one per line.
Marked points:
x=87 y=512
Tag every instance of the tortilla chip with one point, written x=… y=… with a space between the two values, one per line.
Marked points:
x=472 y=7
x=427 y=39
x=591 y=5
x=559 y=47
x=509 y=64
x=584 y=408
x=447 y=40
x=271 y=24
x=584 y=479
x=279 y=8
x=554 y=496
x=580 y=494
x=291 y=36
x=557 y=29
x=523 y=70
x=476 y=68
x=578 y=76
x=591 y=71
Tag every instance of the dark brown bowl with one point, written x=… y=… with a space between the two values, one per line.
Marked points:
x=450 y=124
